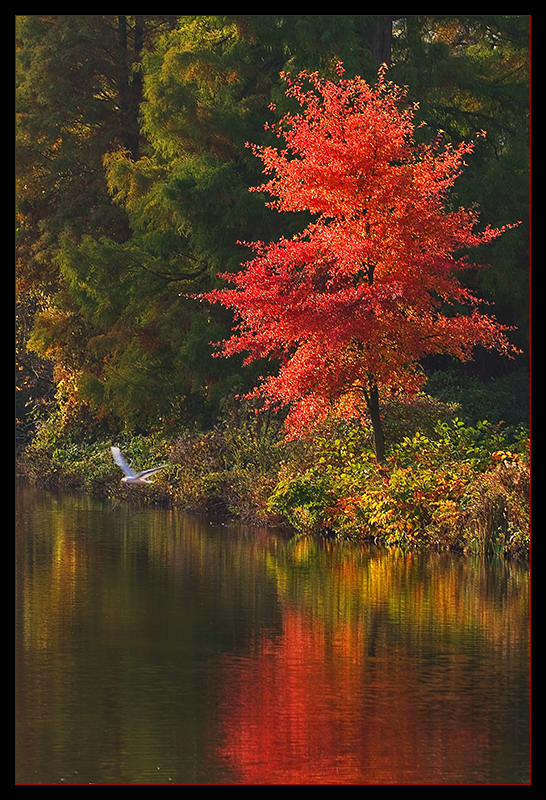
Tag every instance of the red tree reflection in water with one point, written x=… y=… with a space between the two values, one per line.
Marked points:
x=316 y=709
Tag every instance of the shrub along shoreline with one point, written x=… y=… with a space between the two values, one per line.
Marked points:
x=444 y=485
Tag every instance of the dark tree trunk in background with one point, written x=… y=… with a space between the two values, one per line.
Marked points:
x=130 y=83
x=380 y=39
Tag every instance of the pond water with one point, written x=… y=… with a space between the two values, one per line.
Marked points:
x=155 y=648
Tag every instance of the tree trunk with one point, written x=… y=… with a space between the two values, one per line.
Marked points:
x=130 y=88
x=379 y=39
x=372 y=401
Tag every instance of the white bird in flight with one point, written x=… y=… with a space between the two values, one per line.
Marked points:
x=138 y=478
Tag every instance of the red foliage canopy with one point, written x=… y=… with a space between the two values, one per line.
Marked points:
x=370 y=287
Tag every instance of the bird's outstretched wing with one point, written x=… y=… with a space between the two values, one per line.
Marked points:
x=120 y=461
x=150 y=471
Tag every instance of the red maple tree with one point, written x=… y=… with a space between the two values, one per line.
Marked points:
x=352 y=305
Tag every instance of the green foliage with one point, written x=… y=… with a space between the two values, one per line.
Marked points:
x=59 y=456
x=231 y=469
x=304 y=500
x=504 y=398
x=453 y=440
x=460 y=486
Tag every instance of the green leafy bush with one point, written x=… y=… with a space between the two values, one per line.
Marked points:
x=459 y=486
